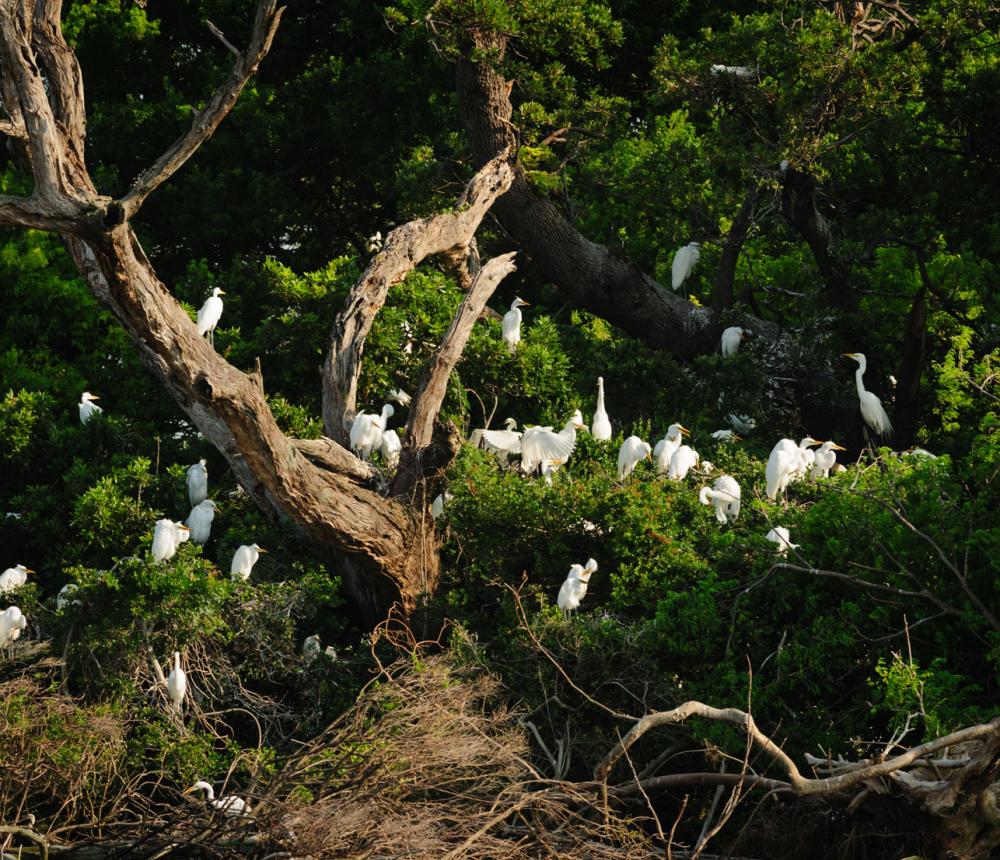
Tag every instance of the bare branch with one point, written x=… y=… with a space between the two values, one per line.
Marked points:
x=206 y=121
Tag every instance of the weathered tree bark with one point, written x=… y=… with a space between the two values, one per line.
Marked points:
x=725 y=279
x=587 y=273
x=384 y=549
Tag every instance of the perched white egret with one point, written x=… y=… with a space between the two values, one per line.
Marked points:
x=14 y=577
x=724 y=496
x=502 y=443
x=12 y=622
x=367 y=430
x=632 y=452
x=230 y=805
x=197 y=481
x=209 y=315
x=542 y=443
x=683 y=460
x=726 y=436
x=199 y=521
x=665 y=448
x=400 y=396
x=807 y=458
x=374 y=243
x=923 y=453
x=871 y=407
x=440 y=500
x=824 y=459
x=785 y=461
x=88 y=409
x=177 y=684
x=167 y=536
x=391 y=448
x=408 y=331
x=838 y=468
x=600 y=427
x=311 y=648
x=780 y=536
x=741 y=423
x=744 y=73
x=706 y=467
x=244 y=559
x=574 y=589
x=731 y=339
x=684 y=262
x=510 y=327
x=65 y=599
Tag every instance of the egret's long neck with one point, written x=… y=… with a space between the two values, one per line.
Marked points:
x=600 y=395
x=385 y=415
x=177 y=661
x=859 y=378
x=209 y=793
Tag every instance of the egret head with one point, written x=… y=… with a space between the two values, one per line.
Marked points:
x=808 y=442
x=258 y=548
x=518 y=303
x=200 y=785
x=859 y=357
x=218 y=292
x=577 y=419
x=510 y=424
x=87 y=396
x=694 y=244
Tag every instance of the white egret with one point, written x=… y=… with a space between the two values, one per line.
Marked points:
x=367 y=430
x=807 y=457
x=177 y=684
x=731 y=339
x=502 y=443
x=785 y=461
x=838 y=468
x=244 y=559
x=391 y=448
x=542 y=443
x=574 y=589
x=780 y=536
x=12 y=622
x=408 y=331
x=600 y=427
x=633 y=451
x=199 y=521
x=88 y=409
x=923 y=453
x=683 y=264
x=440 y=500
x=311 y=648
x=741 y=423
x=400 y=396
x=13 y=578
x=744 y=73
x=549 y=468
x=726 y=436
x=167 y=536
x=665 y=448
x=209 y=315
x=724 y=496
x=374 y=243
x=197 y=481
x=706 y=467
x=824 y=459
x=510 y=326
x=230 y=805
x=683 y=460
x=871 y=407
x=64 y=599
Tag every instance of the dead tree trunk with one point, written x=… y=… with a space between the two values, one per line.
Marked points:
x=725 y=280
x=384 y=548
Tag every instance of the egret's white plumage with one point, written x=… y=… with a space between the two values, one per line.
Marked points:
x=872 y=410
x=209 y=315
x=367 y=430
x=683 y=264
x=741 y=423
x=574 y=588
x=744 y=73
x=502 y=443
x=682 y=461
x=199 y=521
x=785 y=462
x=197 y=481
x=14 y=577
x=390 y=448
x=244 y=559
x=12 y=622
x=632 y=452
x=726 y=436
x=167 y=536
x=920 y=452
x=600 y=427
x=374 y=243
x=230 y=805
x=731 y=339
x=542 y=443
x=400 y=396
x=780 y=536
x=510 y=326
x=665 y=448
x=177 y=684
x=724 y=496
x=440 y=500
x=311 y=648
x=88 y=409
x=807 y=458
x=824 y=459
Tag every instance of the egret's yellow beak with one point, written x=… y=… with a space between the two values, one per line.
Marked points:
x=848 y=354
x=737 y=438
x=29 y=570
x=684 y=429
x=95 y=397
x=649 y=456
x=222 y=292
x=261 y=549
x=188 y=790
x=185 y=528
x=838 y=447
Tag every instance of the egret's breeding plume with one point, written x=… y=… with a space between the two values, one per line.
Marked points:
x=871 y=407
x=244 y=559
x=600 y=427
x=542 y=443
x=390 y=448
x=197 y=481
x=440 y=500
x=725 y=497
x=199 y=521
x=664 y=450
x=367 y=430
x=177 y=684
x=209 y=315
x=824 y=459
x=13 y=578
x=510 y=327
x=230 y=805
x=780 y=536
x=731 y=339
x=502 y=443
x=311 y=648
x=167 y=536
x=632 y=452
x=574 y=589
x=683 y=460
x=88 y=409
x=685 y=260
x=12 y=622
